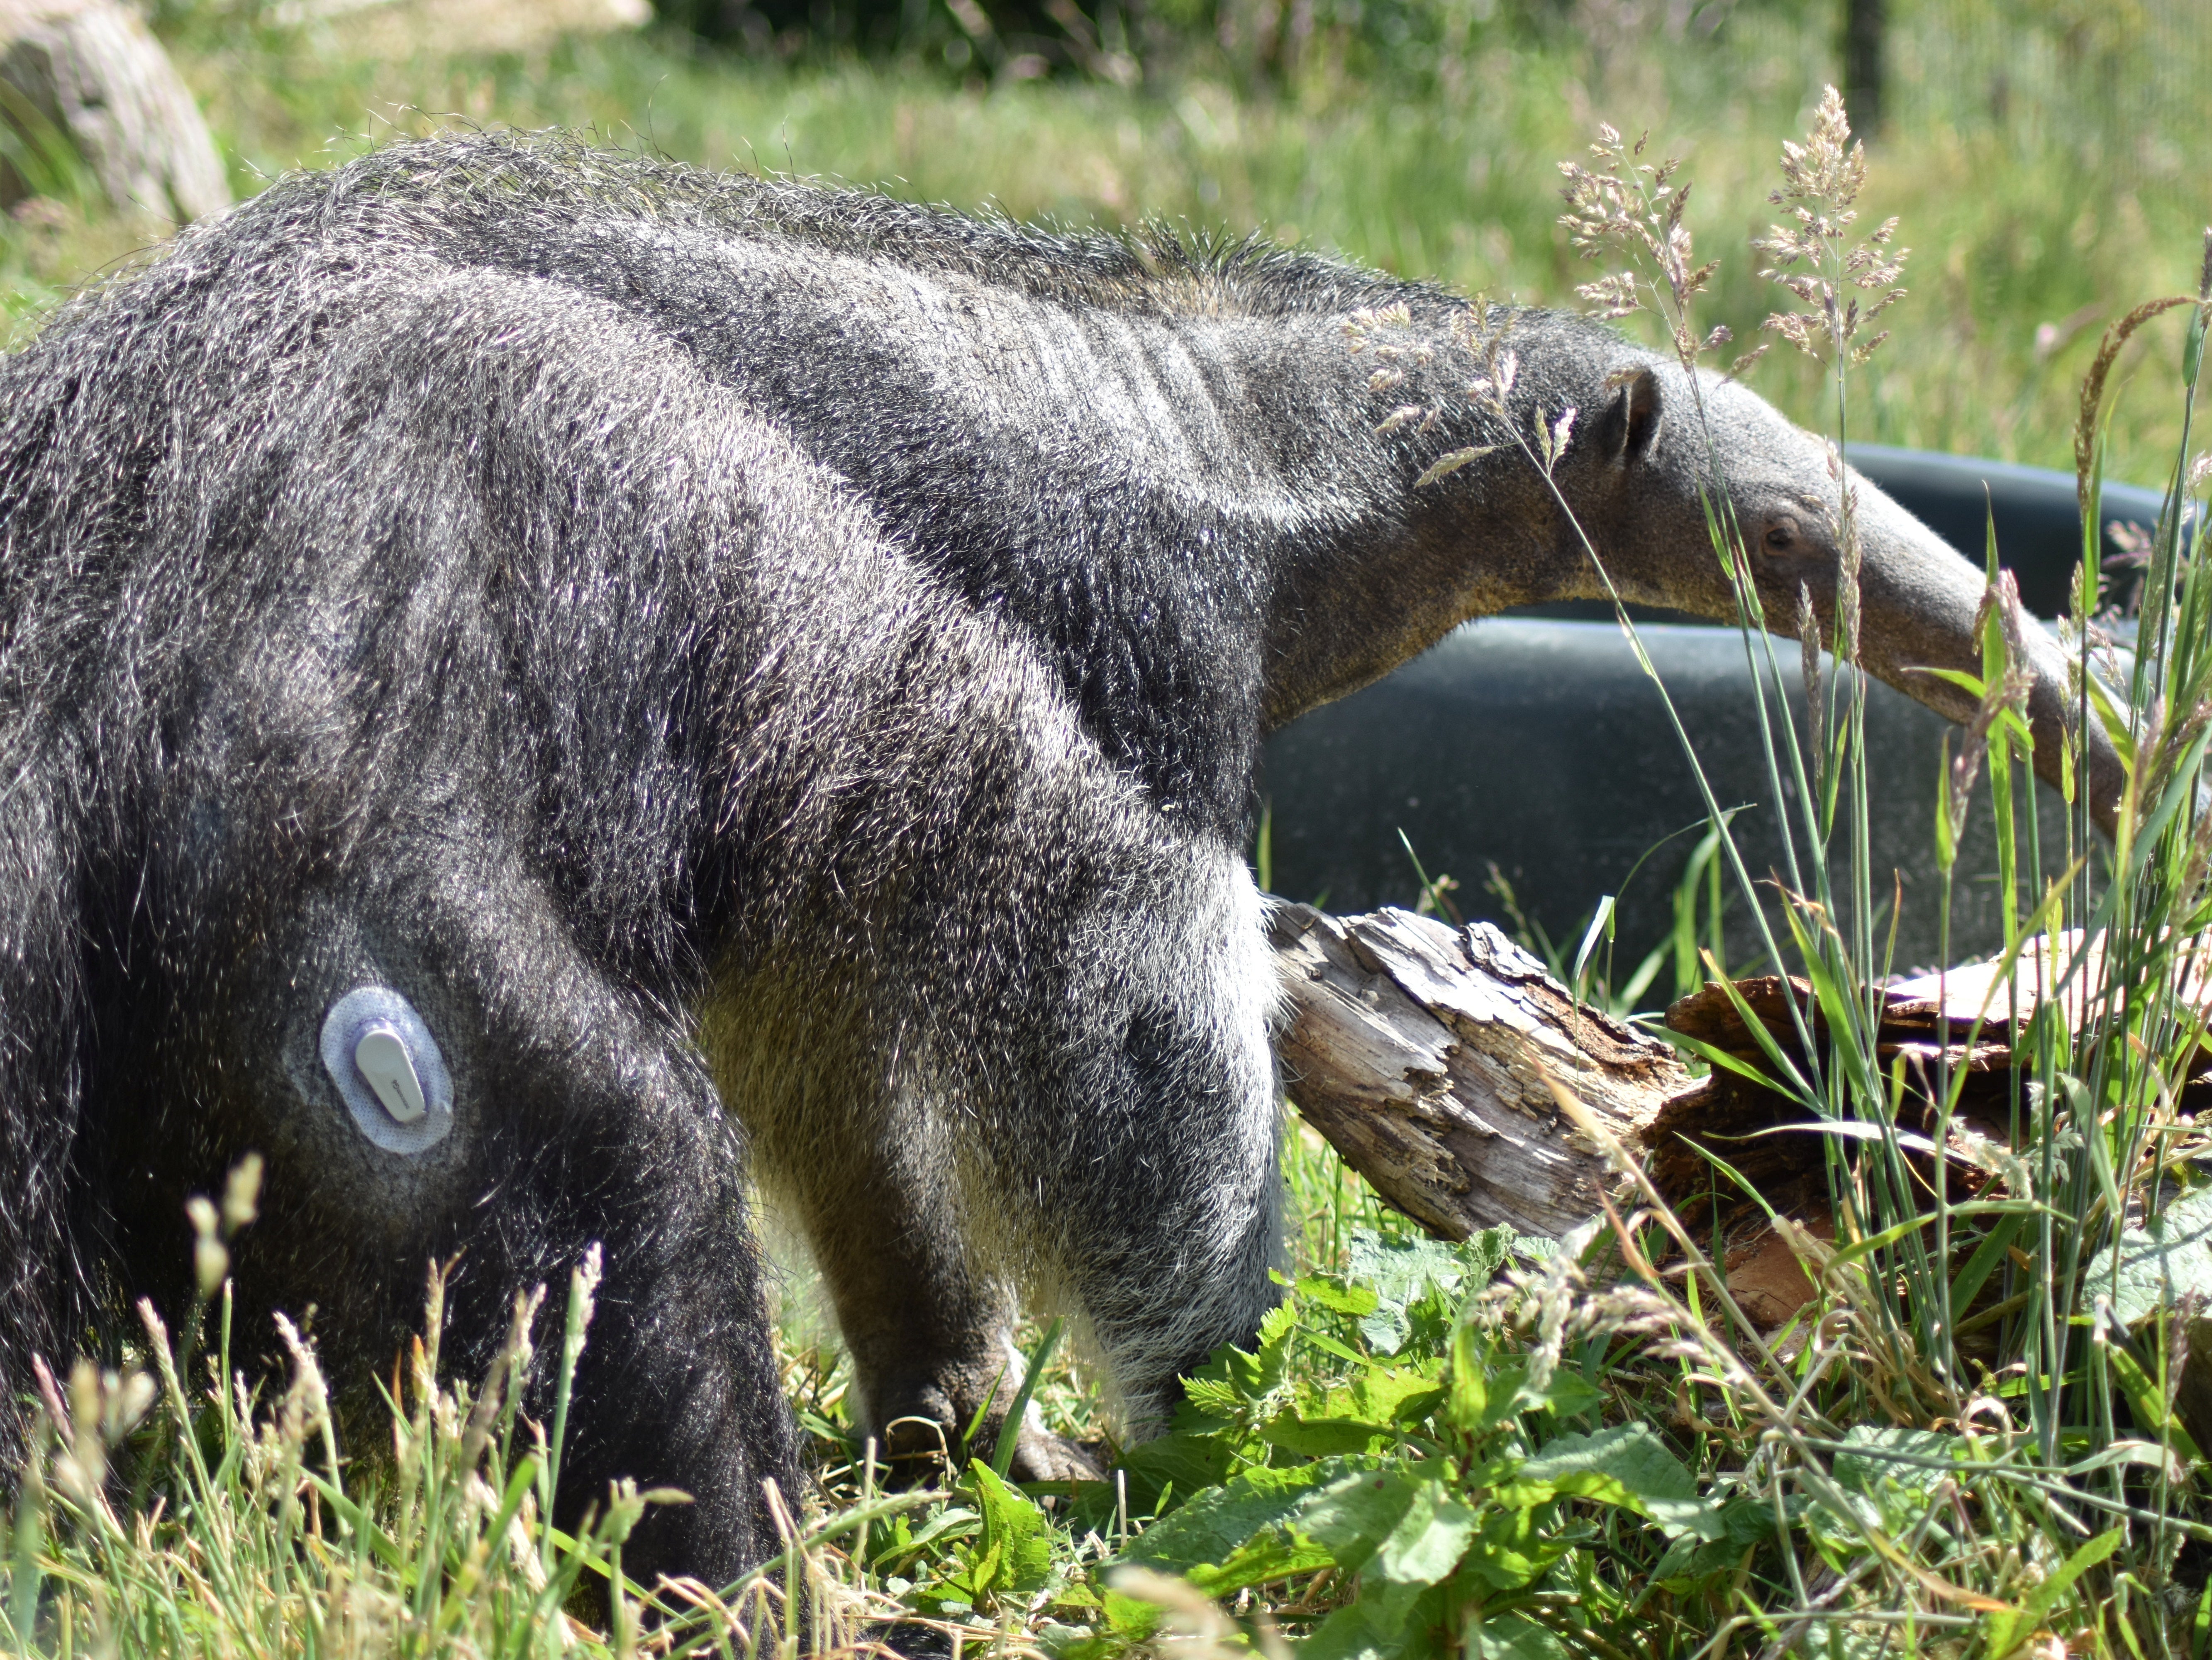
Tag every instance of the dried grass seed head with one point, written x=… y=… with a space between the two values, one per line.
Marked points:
x=2010 y=691
x=241 y=1195
x=1475 y=330
x=1822 y=181
x=1624 y=205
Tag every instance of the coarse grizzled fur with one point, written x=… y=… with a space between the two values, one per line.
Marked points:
x=709 y=640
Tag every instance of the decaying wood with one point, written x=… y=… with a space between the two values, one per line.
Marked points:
x=86 y=76
x=1426 y=1054
x=1422 y=1052
x=1731 y=1117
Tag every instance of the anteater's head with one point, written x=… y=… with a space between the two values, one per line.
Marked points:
x=1653 y=450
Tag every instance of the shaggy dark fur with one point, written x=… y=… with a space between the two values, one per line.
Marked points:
x=711 y=640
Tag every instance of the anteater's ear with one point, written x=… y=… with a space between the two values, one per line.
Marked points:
x=1632 y=419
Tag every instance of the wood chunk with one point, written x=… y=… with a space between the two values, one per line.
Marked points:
x=1422 y=1052
x=1710 y=1015
x=1764 y=1276
x=1425 y=1055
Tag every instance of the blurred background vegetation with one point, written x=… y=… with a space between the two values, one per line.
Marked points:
x=2047 y=157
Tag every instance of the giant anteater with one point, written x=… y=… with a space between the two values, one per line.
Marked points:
x=507 y=650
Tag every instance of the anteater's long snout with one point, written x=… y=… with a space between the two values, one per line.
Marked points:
x=1919 y=609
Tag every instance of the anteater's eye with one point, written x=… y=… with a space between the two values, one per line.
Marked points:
x=1781 y=535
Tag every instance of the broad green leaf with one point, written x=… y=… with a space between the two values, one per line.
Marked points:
x=2156 y=1265
x=1337 y=1300
x=1487 y=1252
x=1130 y=1617
x=1505 y=1391
x=1213 y=1401
x=1327 y=1344
x=1402 y=1395
x=1381 y=1628
x=1015 y=1533
x=1513 y=1551
x=1630 y=1466
x=1232 y=1374
x=1427 y=1531
x=1275 y=1553
x=1568 y=1394
x=1355 y=1515
x=1744 y=1523
x=1428 y=1542
x=1399 y=1272
x=1469 y=1400
x=1510 y=1637
x=1317 y=1438
x=1187 y=1460
x=1277 y=1328
x=1244 y=1521
x=1863 y=1469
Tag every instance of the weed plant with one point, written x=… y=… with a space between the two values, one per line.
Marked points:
x=1977 y=1440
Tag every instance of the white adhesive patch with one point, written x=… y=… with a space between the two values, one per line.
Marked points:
x=387 y=1070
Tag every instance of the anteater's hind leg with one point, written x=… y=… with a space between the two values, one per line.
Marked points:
x=1095 y=1117
x=580 y=1115
x=928 y=1325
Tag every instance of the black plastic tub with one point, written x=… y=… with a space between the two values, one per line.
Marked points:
x=1535 y=743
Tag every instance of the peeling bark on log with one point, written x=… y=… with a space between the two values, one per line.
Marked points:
x=1421 y=1051
x=88 y=73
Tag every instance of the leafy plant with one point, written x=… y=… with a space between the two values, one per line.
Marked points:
x=1425 y=1479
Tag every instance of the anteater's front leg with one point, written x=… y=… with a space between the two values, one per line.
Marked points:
x=1092 y=1117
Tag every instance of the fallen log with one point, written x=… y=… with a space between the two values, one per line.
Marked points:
x=1426 y=1055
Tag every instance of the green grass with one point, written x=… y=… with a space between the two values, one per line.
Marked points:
x=1589 y=1453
